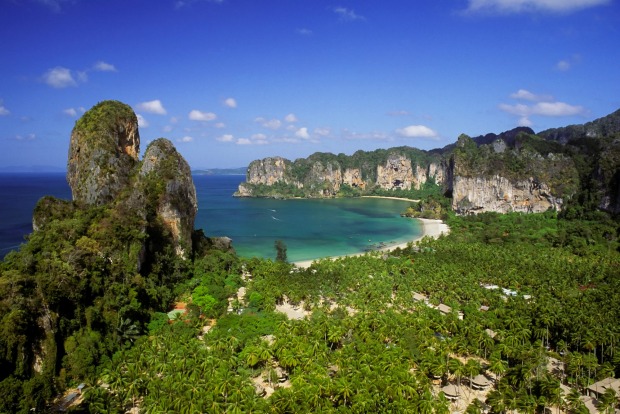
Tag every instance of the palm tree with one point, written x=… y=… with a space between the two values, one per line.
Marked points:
x=607 y=401
x=497 y=366
x=457 y=368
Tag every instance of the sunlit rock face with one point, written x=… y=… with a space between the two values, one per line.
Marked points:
x=103 y=152
x=166 y=179
x=480 y=194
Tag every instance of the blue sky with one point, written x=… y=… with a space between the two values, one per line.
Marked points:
x=230 y=81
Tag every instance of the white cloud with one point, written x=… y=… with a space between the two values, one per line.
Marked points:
x=416 y=131
x=230 y=102
x=185 y=139
x=152 y=107
x=542 y=105
x=563 y=65
x=347 y=14
x=244 y=141
x=142 y=122
x=304 y=32
x=290 y=118
x=220 y=125
x=3 y=110
x=543 y=109
x=225 y=138
x=524 y=121
x=529 y=96
x=70 y=112
x=323 y=132
x=167 y=128
x=59 y=77
x=102 y=66
x=259 y=137
x=567 y=64
x=302 y=133
x=196 y=115
x=29 y=137
x=271 y=123
x=525 y=6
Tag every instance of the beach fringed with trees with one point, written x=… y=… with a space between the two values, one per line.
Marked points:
x=506 y=313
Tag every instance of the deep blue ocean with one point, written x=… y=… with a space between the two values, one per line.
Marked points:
x=310 y=228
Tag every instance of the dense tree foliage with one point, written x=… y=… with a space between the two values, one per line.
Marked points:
x=366 y=345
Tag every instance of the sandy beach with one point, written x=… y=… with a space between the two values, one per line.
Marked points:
x=430 y=228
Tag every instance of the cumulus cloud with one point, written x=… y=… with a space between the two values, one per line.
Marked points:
x=225 y=138
x=143 y=123
x=220 y=125
x=542 y=106
x=290 y=118
x=59 y=77
x=302 y=133
x=347 y=15
x=270 y=124
x=185 y=139
x=152 y=107
x=244 y=141
x=230 y=102
x=259 y=137
x=102 y=66
x=544 y=109
x=416 y=131
x=528 y=6
x=196 y=115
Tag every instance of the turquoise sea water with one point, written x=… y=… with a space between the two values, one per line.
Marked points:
x=310 y=228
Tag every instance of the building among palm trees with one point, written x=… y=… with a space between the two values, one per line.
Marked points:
x=597 y=389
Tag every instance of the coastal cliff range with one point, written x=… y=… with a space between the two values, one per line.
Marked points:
x=516 y=170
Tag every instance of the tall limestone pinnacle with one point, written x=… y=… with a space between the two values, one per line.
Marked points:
x=104 y=169
x=167 y=182
x=103 y=152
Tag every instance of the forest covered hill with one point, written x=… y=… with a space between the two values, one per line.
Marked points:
x=516 y=170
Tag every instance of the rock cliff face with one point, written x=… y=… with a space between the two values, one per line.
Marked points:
x=324 y=178
x=516 y=170
x=103 y=152
x=353 y=178
x=103 y=169
x=477 y=194
x=167 y=179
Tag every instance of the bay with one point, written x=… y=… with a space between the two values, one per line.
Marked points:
x=310 y=228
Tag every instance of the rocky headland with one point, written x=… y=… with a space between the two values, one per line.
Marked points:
x=516 y=170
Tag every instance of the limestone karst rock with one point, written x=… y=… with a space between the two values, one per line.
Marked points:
x=104 y=169
x=103 y=152
x=166 y=179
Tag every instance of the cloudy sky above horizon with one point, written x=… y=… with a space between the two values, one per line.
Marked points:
x=230 y=81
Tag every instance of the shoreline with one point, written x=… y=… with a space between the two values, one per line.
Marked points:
x=393 y=198
x=430 y=228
